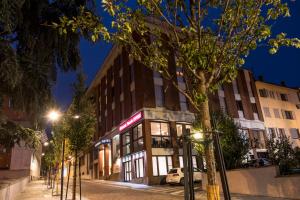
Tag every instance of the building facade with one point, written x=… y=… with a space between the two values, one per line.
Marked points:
x=281 y=110
x=240 y=101
x=141 y=117
x=20 y=160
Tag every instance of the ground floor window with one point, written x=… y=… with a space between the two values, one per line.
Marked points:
x=127 y=168
x=139 y=167
x=161 y=165
x=194 y=160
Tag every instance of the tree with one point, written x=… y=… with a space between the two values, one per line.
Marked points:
x=78 y=124
x=31 y=52
x=12 y=134
x=279 y=150
x=208 y=39
x=234 y=144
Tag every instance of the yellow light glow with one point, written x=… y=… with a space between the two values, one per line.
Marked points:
x=53 y=115
x=198 y=135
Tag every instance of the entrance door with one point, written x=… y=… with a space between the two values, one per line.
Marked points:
x=127 y=171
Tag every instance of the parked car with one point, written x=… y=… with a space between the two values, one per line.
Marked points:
x=260 y=162
x=176 y=176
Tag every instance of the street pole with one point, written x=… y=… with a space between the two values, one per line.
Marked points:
x=188 y=167
x=62 y=169
x=221 y=164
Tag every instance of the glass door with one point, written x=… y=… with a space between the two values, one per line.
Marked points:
x=127 y=171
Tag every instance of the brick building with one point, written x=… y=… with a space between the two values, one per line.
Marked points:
x=141 y=116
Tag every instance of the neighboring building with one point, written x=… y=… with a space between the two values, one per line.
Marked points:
x=240 y=101
x=141 y=116
x=281 y=110
x=19 y=160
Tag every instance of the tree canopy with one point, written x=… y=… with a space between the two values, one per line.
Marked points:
x=12 y=134
x=31 y=52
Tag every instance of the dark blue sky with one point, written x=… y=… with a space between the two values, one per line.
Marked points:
x=283 y=66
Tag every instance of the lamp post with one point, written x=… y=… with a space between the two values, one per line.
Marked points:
x=54 y=116
x=198 y=136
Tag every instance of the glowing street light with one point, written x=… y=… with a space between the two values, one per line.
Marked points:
x=46 y=144
x=76 y=117
x=53 y=115
x=197 y=134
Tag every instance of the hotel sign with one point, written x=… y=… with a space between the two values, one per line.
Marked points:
x=130 y=121
x=104 y=141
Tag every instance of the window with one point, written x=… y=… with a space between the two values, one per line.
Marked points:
x=159 y=95
x=160 y=135
x=179 y=74
x=283 y=97
x=138 y=141
x=239 y=105
x=223 y=105
x=272 y=133
x=267 y=112
x=281 y=132
x=263 y=92
x=161 y=165
x=272 y=94
x=295 y=133
x=180 y=129
x=183 y=102
x=194 y=160
x=126 y=140
x=276 y=113
x=254 y=107
x=139 y=167
x=288 y=114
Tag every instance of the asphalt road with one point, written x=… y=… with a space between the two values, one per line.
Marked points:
x=99 y=191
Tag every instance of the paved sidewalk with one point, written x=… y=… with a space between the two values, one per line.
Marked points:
x=37 y=190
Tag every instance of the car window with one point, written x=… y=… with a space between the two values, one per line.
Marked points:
x=172 y=171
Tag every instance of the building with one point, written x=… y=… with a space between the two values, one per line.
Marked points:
x=281 y=110
x=240 y=101
x=141 y=116
x=18 y=161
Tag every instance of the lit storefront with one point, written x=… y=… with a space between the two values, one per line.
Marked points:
x=142 y=150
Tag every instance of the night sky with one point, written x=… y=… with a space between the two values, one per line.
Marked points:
x=283 y=66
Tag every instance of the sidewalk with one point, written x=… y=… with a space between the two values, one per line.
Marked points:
x=37 y=190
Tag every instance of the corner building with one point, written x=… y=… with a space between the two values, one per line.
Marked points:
x=141 y=116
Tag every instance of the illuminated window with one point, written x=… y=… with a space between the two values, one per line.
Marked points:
x=160 y=133
x=161 y=165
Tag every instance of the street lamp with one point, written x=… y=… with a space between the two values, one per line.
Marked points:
x=46 y=144
x=198 y=136
x=54 y=116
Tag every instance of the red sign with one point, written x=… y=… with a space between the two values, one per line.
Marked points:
x=130 y=121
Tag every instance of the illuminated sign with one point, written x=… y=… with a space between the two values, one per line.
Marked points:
x=104 y=141
x=130 y=121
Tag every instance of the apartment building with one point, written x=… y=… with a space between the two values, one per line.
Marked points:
x=281 y=110
x=141 y=116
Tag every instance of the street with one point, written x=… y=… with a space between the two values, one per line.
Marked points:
x=109 y=190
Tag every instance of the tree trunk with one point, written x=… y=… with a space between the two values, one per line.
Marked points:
x=74 y=177
x=204 y=117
